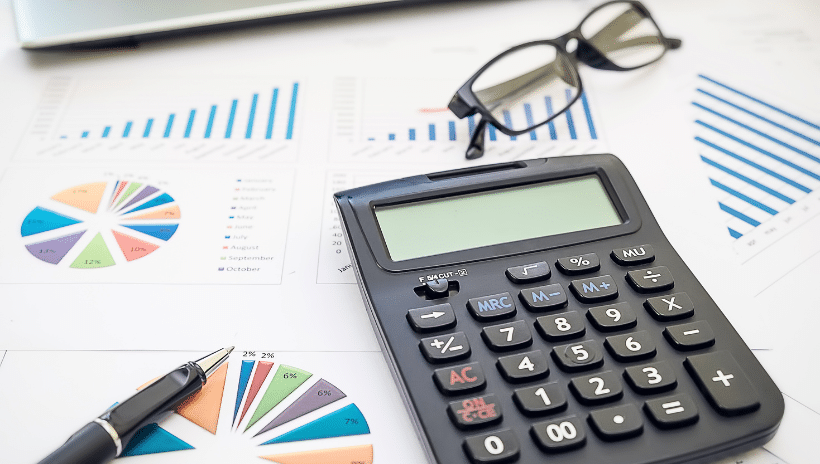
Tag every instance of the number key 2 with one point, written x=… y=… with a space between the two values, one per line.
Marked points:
x=597 y=388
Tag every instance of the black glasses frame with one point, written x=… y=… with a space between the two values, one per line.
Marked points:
x=465 y=103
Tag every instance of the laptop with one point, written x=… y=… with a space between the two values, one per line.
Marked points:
x=90 y=23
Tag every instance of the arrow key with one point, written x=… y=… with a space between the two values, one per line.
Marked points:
x=432 y=318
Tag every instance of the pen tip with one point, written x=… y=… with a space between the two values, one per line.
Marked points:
x=211 y=362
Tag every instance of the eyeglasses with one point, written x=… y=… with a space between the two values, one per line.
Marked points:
x=531 y=84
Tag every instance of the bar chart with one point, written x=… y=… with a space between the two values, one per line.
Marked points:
x=762 y=159
x=165 y=119
x=372 y=121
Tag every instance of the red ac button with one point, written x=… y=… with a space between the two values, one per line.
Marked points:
x=459 y=379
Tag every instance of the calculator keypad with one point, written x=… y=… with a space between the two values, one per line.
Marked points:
x=580 y=356
x=524 y=367
x=544 y=298
x=509 y=336
x=594 y=289
x=599 y=388
x=561 y=327
x=670 y=307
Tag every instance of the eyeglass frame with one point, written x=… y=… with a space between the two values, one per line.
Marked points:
x=465 y=103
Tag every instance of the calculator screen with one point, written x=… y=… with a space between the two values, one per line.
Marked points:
x=444 y=225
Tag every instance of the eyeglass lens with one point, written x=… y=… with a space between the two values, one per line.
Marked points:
x=527 y=86
x=624 y=35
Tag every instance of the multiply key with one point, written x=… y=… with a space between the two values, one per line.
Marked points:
x=670 y=307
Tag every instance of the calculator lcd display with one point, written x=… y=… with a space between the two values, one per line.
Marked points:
x=444 y=225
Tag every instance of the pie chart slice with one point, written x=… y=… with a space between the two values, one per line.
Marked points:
x=41 y=220
x=353 y=454
x=86 y=197
x=153 y=439
x=54 y=250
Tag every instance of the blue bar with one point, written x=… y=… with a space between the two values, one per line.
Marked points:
x=63 y=136
x=751 y=163
x=273 y=100
x=249 y=130
x=190 y=124
x=592 y=132
x=492 y=132
x=471 y=124
x=752 y=113
x=762 y=151
x=127 y=130
x=391 y=136
x=749 y=181
x=106 y=131
x=432 y=130
x=530 y=123
x=508 y=123
x=370 y=139
x=231 y=116
x=797 y=118
x=292 y=115
x=451 y=127
x=210 y=122
x=168 y=126
x=743 y=197
x=751 y=129
x=411 y=133
x=148 y=125
x=571 y=125
x=550 y=113
x=739 y=215
x=85 y=135
x=734 y=233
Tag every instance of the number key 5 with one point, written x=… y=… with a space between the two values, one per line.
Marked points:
x=580 y=356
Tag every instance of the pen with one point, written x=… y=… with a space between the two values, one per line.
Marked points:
x=104 y=438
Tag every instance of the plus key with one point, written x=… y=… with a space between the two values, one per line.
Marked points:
x=723 y=382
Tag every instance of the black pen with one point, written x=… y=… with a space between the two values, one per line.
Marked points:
x=104 y=438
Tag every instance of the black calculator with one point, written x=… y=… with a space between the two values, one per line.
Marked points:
x=534 y=312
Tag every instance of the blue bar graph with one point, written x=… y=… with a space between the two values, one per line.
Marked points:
x=590 y=124
x=760 y=156
x=508 y=123
x=210 y=125
x=190 y=124
x=127 y=131
x=292 y=114
x=568 y=113
x=251 y=115
x=432 y=131
x=492 y=132
x=106 y=131
x=168 y=126
x=451 y=129
x=391 y=136
x=231 y=116
x=530 y=122
x=85 y=135
x=147 y=130
x=550 y=113
x=272 y=114
x=411 y=134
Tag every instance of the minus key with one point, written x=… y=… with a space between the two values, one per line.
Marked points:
x=690 y=336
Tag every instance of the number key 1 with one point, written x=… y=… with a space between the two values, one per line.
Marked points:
x=540 y=399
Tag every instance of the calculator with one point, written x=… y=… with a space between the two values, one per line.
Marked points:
x=534 y=312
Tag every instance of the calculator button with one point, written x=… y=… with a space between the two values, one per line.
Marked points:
x=559 y=435
x=670 y=307
x=439 y=288
x=631 y=347
x=672 y=411
x=609 y=318
x=582 y=264
x=529 y=273
x=560 y=327
x=524 y=367
x=580 y=356
x=602 y=387
x=653 y=377
x=432 y=318
x=691 y=336
x=494 y=447
x=633 y=255
x=444 y=348
x=544 y=298
x=723 y=382
x=654 y=279
x=475 y=412
x=491 y=308
x=456 y=380
x=540 y=400
x=617 y=423
x=594 y=289
x=508 y=336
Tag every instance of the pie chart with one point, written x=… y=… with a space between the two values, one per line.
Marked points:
x=101 y=224
x=294 y=405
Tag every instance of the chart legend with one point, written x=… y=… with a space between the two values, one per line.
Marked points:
x=209 y=119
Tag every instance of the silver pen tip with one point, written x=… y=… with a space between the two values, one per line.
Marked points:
x=210 y=363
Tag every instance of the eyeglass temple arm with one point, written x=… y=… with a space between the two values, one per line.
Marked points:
x=476 y=147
